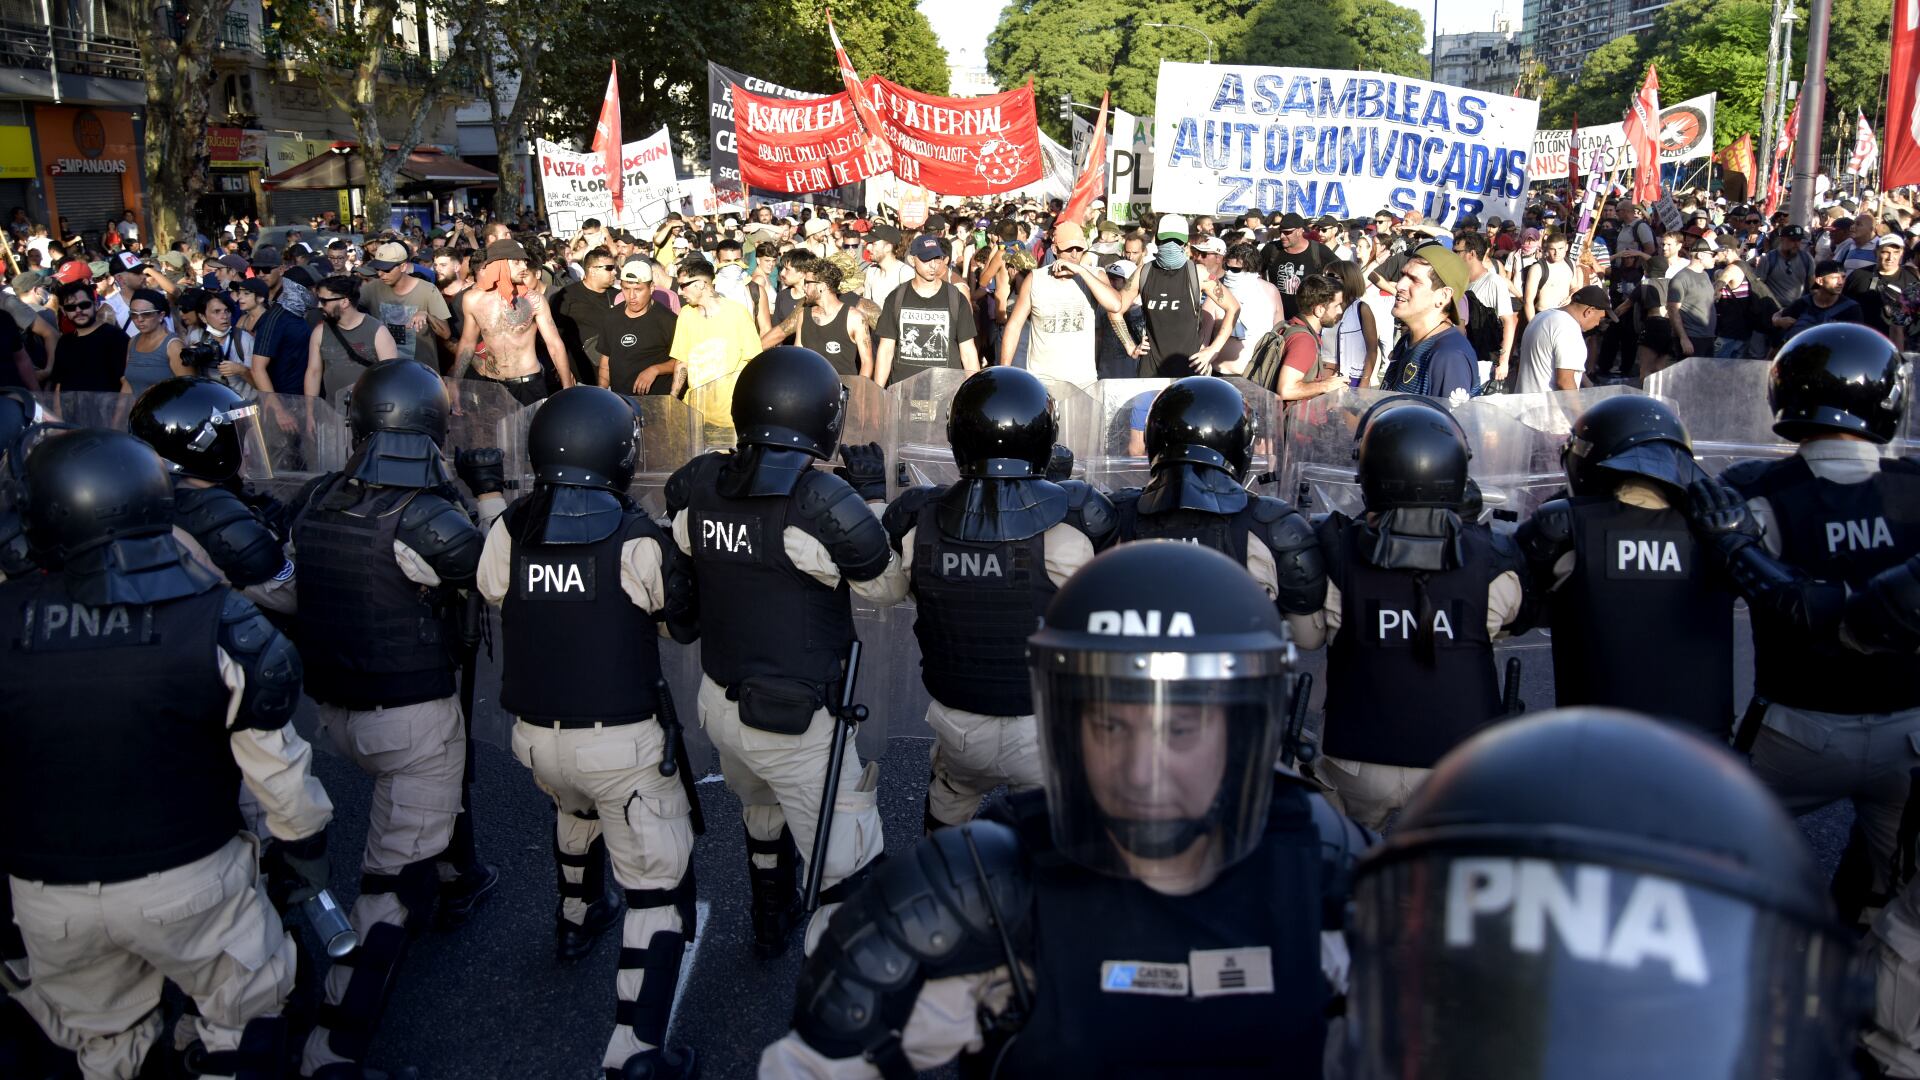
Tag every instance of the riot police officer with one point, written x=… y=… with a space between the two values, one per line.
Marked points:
x=1618 y=575
x=381 y=545
x=1587 y=894
x=128 y=859
x=776 y=547
x=19 y=413
x=1830 y=722
x=981 y=558
x=1415 y=600
x=1169 y=905
x=194 y=425
x=580 y=573
x=1199 y=442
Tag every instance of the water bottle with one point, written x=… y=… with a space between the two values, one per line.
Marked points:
x=324 y=915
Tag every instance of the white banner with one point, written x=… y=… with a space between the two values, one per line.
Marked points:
x=575 y=185
x=1686 y=134
x=1229 y=138
x=1130 y=172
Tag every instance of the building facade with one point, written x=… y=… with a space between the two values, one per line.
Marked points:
x=1493 y=61
x=1563 y=33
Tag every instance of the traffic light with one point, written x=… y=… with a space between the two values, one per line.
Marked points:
x=1066 y=106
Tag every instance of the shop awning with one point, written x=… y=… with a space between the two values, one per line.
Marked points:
x=339 y=168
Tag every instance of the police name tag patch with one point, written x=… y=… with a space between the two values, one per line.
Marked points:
x=976 y=567
x=1645 y=555
x=56 y=627
x=1217 y=972
x=1143 y=977
x=555 y=579
x=732 y=537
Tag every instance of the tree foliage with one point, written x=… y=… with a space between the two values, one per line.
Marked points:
x=1083 y=47
x=1388 y=37
x=1720 y=46
x=663 y=48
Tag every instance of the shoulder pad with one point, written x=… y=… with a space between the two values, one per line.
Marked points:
x=840 y=519
x=904 y=512
x=441 y=533
x=1266 y=508
x=1748 y=476
x=1091 y=512
x=921 y=916
x=271 y=664
x=306 y=495
x=1299 y=564
x=1504 y=549
x=237 y=541
x=1342 y=841
x=679 y=490
x=1547 y=535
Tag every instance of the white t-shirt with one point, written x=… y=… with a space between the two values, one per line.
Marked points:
x=1060 y=335
x=129 y=232
x=1552 y=342
x=881 y=282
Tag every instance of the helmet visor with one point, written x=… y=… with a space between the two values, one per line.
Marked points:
x=1490 y=967
x=1162 y=779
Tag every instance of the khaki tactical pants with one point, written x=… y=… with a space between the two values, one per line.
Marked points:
x=780 y=780
x=611 y=800
x=98 y=955
x=1893 y=950
x=416 y=755
x=972 y=755
x=1368 y=793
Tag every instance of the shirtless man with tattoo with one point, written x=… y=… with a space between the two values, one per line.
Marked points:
x=508 y=327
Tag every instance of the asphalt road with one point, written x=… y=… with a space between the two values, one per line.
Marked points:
x=489 y=1001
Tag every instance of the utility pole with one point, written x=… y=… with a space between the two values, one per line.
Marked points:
x=1813 y=107
x=1770 y=107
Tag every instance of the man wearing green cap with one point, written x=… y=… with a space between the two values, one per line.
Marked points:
x=1432 y=355
x=1171 y=289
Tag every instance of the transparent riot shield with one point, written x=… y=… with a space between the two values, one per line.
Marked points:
x=288 y=440
x=484 y=415
x=1267 y=412
x=1517 y=440
x=921 y=405
x=87 y=408
x=1115 y=452
x=1723 y=402
x=1318 y=455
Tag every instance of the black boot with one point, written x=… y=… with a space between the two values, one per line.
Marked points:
x=659 y=1063
x=462 y=896
x=776 y=903
x=574 y=940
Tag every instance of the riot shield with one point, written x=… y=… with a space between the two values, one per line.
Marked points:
x=1723 y=402
x=289 y=440
x=1517 y=440
x=87 y=408
x=1318 y=454
x=1115 y=452
x=919 y=446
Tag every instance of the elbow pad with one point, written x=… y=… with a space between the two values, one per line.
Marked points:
x=1300 y=568
x=1546 y=536
x=271 y=664
x=835 y=514
x=241 y=545
x=921 y=916
x=441 y=533
x=1885 y=616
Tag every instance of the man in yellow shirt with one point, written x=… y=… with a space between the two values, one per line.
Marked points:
x=713 y=340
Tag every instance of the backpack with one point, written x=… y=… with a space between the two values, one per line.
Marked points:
x=1264 y=369
x=1483 y=327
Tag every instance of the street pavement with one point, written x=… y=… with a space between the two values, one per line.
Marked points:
x=489 y=1002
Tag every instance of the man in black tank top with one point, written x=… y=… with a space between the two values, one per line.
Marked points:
x=828 y=325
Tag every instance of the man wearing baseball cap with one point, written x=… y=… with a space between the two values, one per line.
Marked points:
x=928 y=322
x=1291 y=256
x=885 y=271
x=1553 y=351
x=1060 y=304
x=507 y=308
x=1881 y=289
x=1432 y=356
x=413 y=311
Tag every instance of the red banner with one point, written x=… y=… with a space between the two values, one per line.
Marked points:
x=1643 y=134
x=1900 y=159
x=606 y=136
x=800 y=147
x=959 y=146
x=1091 y=184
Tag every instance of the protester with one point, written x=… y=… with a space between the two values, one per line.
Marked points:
x=1883 y=288
x=346 y=342
x=713 y=339
x=1320 y=304
x=1553 y=351
x=92 y=356
x=1432 y=356
x=1825 y=302
x=1060 y=304
x=1290 y=256
x=926 y=324
x=634 y=336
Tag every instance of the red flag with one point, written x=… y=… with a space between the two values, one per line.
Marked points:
x=879 y=151
x=1091 y=184
x=1643 y=134
x=1900 y=164
x=1866 y=148
x=1573 y=161
x=606 y=138
x=1782 y=150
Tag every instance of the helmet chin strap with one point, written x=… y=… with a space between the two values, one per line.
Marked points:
x=1168 y=838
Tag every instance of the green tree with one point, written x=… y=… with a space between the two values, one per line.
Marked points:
x=177 y=55
x=1277 y=35
x=1600 y=94
x=515 y=38
x=387 y=92
x=1388 y=37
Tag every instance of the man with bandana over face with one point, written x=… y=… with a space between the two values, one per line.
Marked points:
x=1171 y=289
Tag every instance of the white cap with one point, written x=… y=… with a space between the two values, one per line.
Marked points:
x=1172 y=227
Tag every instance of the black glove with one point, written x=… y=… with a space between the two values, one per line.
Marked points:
x=483 y=469
x=1060 y=463
x=865 y=470
x=297 y=869
x=1720 y=515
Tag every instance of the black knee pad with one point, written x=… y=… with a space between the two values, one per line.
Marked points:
x=680 y=897
x=592 y=865
x=261 y=1055
x=417 y=885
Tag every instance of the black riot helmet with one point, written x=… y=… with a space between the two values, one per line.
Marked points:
x=1412 y=453
x=789 y=398
x=192 y=423
x=1628 y=435
x=1587 y=894
x=89 y=487
x=1160 y=677
x=1838 y=377
x=1001 y=424
x=1204 y=421
x=584 y=436
x=399 y=396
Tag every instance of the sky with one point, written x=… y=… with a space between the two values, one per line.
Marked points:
x=963 y=27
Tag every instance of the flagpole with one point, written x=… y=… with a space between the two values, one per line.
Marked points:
x=1813 y=101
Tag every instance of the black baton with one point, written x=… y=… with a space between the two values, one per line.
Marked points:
x=1299 y=751
x=674 y=760
x=1750 y=723
x=1514 y=706
x=845 y=715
